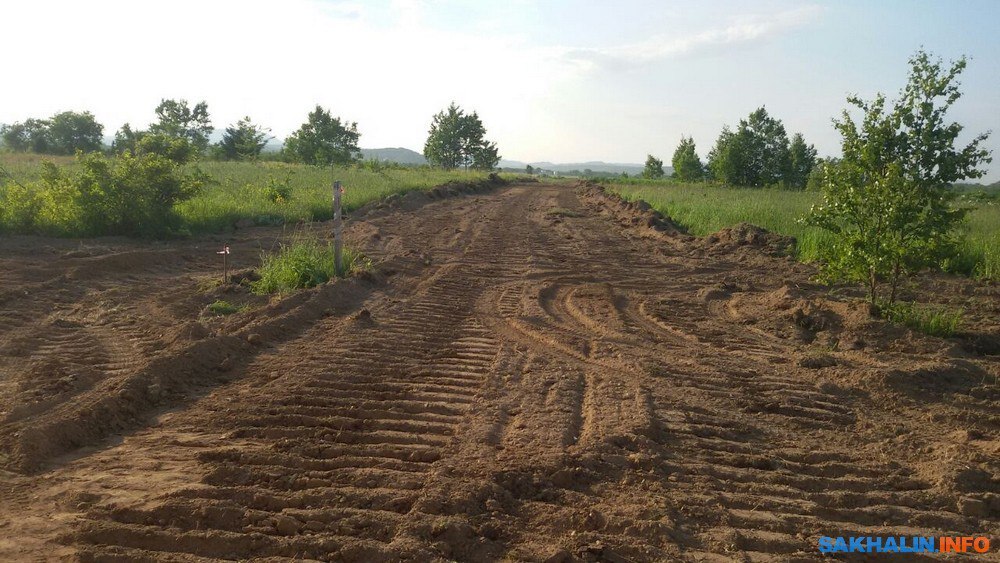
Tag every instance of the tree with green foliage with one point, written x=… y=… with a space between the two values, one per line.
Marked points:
x=31 y=135
x=530 y=170
x=457 y=139
x=242 y=141
x=756 y=155
x=64 y=133
x=323 y=140
x=126 y=139
x=687 y=165
x=175 y=118
x=801 y=162
x=888 y=200
x=71 y=131
x=653 y=169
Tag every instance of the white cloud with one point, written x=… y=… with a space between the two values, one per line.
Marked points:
x=742 y=30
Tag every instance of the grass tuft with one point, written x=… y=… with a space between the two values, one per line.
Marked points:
x=928 y=320
x=221 y=307
x=304 y=263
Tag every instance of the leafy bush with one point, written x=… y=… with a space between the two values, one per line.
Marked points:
x=928 y=320
x=130 y=195
x=277 y=191
x=304 y=263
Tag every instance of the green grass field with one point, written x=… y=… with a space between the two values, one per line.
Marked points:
x=240 y=192
x=704 y=209
x=264 y=193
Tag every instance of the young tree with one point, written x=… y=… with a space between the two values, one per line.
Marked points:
x=70 y=131
x=457 y=139
x=687 y=165
x=726 y=160
x=802 y=161
x=323 y=140
x=654 y=167
x=243 y=141
x=176 y=119
x=888 y=199
x=30 y=136
x=530 y=170
x=756 y=155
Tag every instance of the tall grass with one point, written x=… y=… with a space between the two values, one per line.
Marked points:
x=254 y=193
x=246 y=192
x=928 y=320
x=304 y=263
x=703 y=209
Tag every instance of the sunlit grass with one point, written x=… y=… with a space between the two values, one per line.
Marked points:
x=703 y=209
x=245 y=192
x=304 y=263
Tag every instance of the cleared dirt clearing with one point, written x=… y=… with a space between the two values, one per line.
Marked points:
x=536 y=373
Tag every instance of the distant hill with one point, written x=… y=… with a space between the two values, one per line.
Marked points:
x=407 y=156
x=398 y=154
x=593 y=165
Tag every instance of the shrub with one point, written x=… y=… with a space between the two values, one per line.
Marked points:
x=130 y=195
x=277 y=191
x=302 y=264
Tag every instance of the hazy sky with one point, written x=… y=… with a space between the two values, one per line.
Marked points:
x=552 y=80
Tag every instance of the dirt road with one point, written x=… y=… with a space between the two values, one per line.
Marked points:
x=536 y=373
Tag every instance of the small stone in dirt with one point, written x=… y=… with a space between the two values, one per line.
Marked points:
x=972 y=507
x=225 y=365
x=363 y=315
x=818 y=361
x=154 y=391
x=255 y=339
x=286 y=525
x=594 y=520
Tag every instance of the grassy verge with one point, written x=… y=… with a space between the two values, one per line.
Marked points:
x=703 y=209
x=271 y=193
x=245 y=193
x=304 y=263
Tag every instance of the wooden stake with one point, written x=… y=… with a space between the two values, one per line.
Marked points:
x=338 y=230
x=225 y=264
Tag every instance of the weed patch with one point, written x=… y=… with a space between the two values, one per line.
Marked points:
x=221 y=307
x=928 y=320
x=304 y=263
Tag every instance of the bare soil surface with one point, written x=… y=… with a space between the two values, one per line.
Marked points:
x=538 y=373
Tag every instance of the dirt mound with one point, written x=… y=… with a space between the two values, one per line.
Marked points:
x=748 y=235
x=413 y=200
x=634 y=213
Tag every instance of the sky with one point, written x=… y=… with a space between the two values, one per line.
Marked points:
x=558 y=81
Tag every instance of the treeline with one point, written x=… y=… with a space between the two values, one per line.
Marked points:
x=133 y=186
x=757 y=154
x=456 y=139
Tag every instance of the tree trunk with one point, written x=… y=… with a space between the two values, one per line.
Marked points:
x=872 y=285
x=894 y=282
